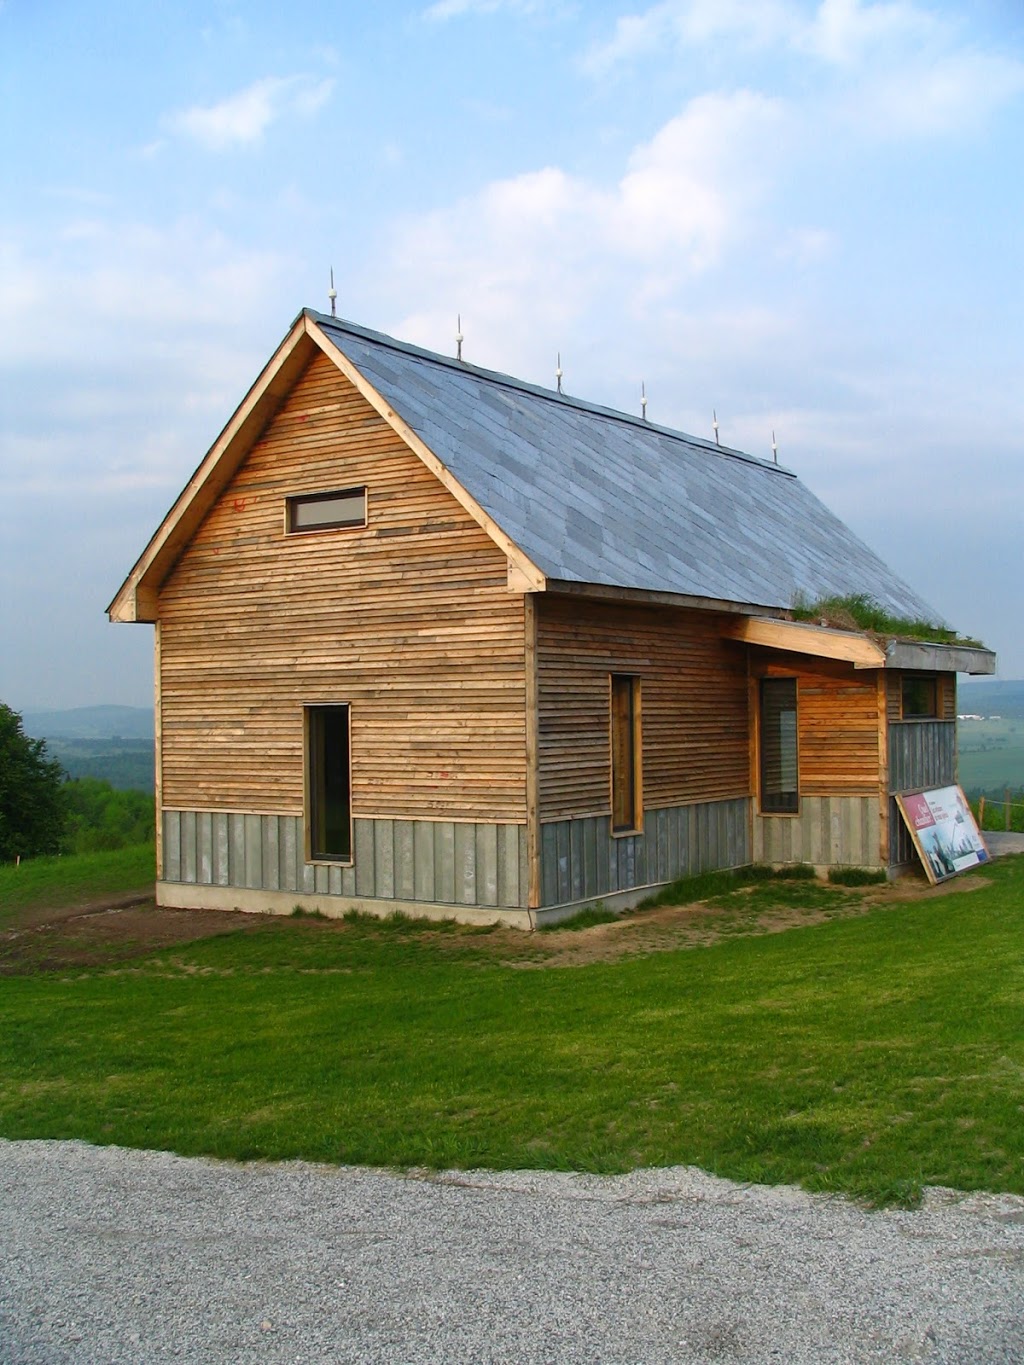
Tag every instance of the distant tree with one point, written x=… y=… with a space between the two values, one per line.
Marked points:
x=32 y=801
x=102 y=817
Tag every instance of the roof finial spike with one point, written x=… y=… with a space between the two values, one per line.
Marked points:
x=558 y=372
x=332 y=294
x=459 y=338
x=714 y=424
x=643 y=400
x=775 y=447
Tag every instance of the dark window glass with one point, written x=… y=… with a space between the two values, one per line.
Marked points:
x=625 y=752
x=330 y=802
x=920 y=701
x=327 y=511
x=779 y=785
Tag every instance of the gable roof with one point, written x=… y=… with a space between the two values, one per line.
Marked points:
x=578 y=496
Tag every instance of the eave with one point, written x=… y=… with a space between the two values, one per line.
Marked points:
x=799 y=637
x=861 y=650
x=137 y=598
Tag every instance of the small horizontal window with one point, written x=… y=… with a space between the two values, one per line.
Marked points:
x=327 y=511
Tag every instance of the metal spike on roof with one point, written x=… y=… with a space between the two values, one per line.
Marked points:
x=332 y=294
x=643 y=400
x=714 y=425
x=459 y=338
x=558 y=372
x=775 y=448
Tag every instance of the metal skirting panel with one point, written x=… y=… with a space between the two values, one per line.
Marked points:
x=433 y=861
x=580 y=860
x=830 y=831
x=922 y=753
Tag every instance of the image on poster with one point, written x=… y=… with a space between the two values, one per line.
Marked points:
x=944 y=831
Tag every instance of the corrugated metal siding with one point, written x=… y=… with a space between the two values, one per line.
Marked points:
x=830 y=831
x=922 y=753
x=580 y=860
x=434 y=861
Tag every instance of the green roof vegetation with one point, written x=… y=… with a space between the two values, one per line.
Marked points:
x=859 y=611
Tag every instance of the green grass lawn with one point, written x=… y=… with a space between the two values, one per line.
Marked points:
x=54 y=882
x=869 y=1055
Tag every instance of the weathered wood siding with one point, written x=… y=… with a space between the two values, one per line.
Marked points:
x=945 y=685
x=409 y=620
x=423 y=861
x=581 y=861
x=829 y=831
x=837 y=725
x=693 y=702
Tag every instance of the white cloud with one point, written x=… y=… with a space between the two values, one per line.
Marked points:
x=961 y=90
x=890 y=67
x=536 y=254
x=684 y=23
x=242 y=119
x=846 y=31
x=457 y=9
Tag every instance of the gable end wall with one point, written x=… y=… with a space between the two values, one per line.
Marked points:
x=409 y=621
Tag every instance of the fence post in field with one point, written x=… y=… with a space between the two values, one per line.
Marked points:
x=981 y=812
x=1007 y=808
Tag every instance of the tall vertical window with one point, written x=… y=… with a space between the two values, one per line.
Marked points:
x=625 y=740
x=328 y=785
x=779 y=785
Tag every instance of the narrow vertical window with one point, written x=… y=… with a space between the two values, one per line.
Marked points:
x=328 y=786
x=779 y=785
x=625 y=741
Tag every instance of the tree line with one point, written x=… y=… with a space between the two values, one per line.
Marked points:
x=42 y=811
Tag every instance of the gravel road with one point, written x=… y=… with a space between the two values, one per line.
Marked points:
x=118 y=1256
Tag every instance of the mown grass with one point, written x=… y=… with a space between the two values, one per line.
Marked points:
x=59 y=881
x=868 y=1055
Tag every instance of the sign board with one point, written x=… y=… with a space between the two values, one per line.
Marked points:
x=944 y=832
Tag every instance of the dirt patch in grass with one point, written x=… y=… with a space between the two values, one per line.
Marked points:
x=101 y=934
x=129 y=927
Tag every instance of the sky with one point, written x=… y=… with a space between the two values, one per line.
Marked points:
x=802 y=215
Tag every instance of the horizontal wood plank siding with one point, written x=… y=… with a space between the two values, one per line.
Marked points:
x=581 y=861
x=692 y=697
x=945 y=698
x=409 y=620
x=837 y=725
x=429 y=861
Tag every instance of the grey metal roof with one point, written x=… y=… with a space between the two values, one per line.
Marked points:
x=600 y=497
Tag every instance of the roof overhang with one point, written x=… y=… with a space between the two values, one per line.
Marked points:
x=800 y=637
x=861 y=650
x=137 y=598
x=928 y=658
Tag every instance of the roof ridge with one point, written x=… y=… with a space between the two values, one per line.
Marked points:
x=539 y=391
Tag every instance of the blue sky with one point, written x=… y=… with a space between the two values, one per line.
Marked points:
x=806 y=216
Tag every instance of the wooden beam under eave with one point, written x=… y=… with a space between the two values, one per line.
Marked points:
x=796 y=637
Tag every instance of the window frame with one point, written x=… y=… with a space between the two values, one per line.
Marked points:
x=313 y=765
x=784 y=803
x=634 y=757
x=297 y=500
x=929 y=680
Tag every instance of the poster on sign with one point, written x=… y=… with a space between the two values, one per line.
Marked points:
x=944 y=832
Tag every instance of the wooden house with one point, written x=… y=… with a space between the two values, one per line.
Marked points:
x=432 y=639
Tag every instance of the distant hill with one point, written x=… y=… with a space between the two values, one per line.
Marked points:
x=992 y=698
x=114 y=743
x=91 y=722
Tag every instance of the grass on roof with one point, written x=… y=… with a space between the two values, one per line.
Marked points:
x=859 y=611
